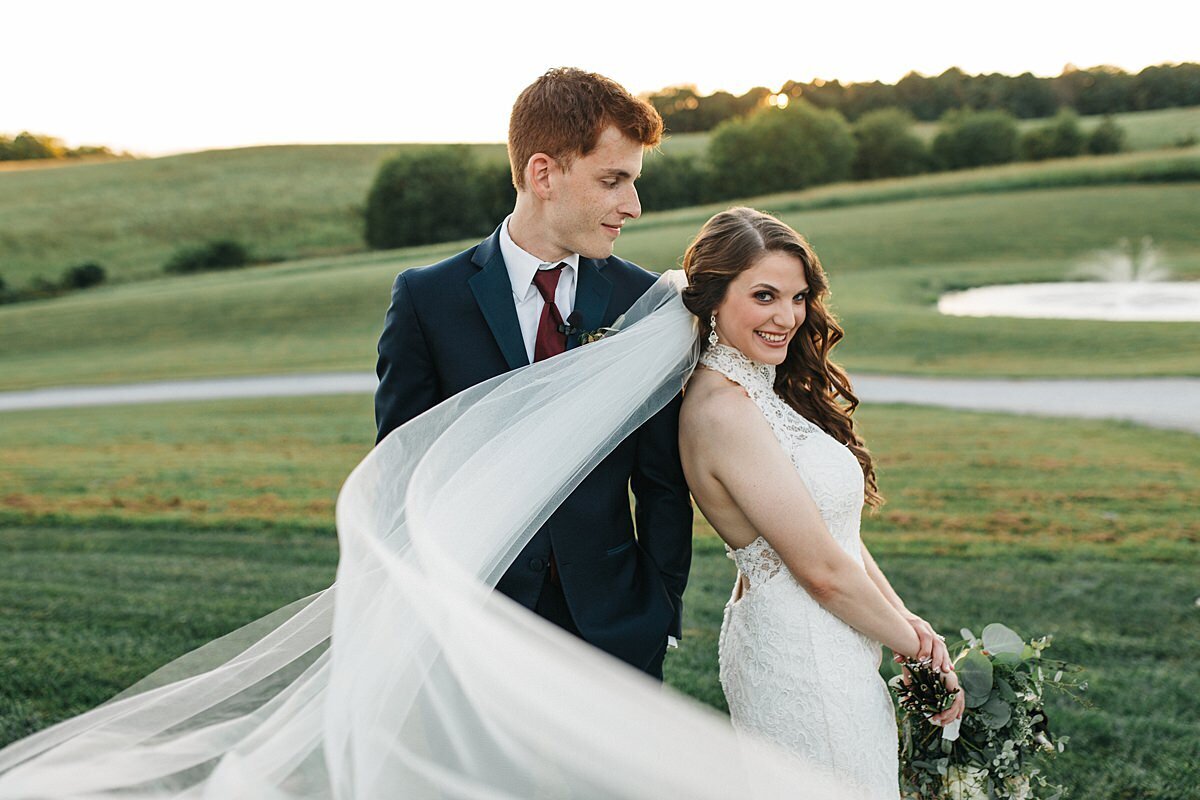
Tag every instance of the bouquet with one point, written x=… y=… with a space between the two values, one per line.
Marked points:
x=999 y=746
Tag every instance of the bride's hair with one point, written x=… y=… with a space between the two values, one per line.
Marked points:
x=807 y=380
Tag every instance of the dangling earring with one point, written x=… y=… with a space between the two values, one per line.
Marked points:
x=712 y=331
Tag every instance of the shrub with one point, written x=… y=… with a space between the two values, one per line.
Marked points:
x=780 y=149
x=1059 y=138
x=216 y=254
x=1108 y=137
x=975 y=138
x=430 y=195
x=887 y=147
x=674 y=182
x=84 y=276
x=497 y=196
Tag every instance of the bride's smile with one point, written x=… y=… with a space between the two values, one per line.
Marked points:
x=764 y=308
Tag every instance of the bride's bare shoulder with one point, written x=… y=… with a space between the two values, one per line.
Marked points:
x=712 y=403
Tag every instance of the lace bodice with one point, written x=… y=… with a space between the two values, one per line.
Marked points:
x=791 y=670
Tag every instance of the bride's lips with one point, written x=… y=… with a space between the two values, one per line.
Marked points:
x=776 y=340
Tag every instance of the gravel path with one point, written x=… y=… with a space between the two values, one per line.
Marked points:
x=1172 y=403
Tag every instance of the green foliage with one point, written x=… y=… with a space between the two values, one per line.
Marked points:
x=84 y=276
x=975 y=138
x=29 y=146
x=887 y=147
x=1060 y=138
x=684 y=110
x=213 y=255
x=1108 y=137
x=432 y=195
x=779 y=150
x=497 y=195
x=670 y=181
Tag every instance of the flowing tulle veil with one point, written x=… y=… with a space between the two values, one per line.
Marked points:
x=410 y=677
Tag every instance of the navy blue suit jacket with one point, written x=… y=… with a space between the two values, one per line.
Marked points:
x=453 y=325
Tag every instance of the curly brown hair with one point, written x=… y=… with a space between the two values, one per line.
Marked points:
x=733 y=241
x=563 y=113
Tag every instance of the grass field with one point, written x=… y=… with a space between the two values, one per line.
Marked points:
x=1077 y=529
x=888 y=261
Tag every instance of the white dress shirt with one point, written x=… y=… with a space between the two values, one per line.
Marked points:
x=528 y=300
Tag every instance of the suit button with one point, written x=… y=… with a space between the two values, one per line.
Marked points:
x=536 y=564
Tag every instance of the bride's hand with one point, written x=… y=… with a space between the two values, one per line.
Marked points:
x=950 y=681
x=933 y=648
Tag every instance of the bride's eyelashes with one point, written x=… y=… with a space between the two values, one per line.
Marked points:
x=766 y=297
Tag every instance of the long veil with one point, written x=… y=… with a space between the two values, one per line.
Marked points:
x=409 y=677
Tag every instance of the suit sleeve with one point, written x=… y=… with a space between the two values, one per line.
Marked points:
x=407 y=379
x=662 y=504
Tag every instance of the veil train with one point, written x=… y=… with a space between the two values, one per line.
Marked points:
x=409 y=677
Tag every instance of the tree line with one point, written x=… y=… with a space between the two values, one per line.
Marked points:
x=26 y=146
x=439 y=194
x=1096 y=90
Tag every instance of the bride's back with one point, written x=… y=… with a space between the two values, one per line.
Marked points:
x=708 y=402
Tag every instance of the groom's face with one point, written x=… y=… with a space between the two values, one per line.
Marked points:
x=590 y=201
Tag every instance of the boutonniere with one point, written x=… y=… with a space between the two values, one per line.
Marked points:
x=587 y=337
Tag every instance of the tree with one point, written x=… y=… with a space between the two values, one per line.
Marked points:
x=780 y=149
x=1060 y=138
x=674 y=182
x=975 y=138
x=84 y=276
x=1030 y=97
x=216 y=254
x=1108 y=137
x=31 y=146
x=887 y=146
x=427 y=195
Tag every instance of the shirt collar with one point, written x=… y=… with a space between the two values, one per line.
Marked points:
x=522 y=265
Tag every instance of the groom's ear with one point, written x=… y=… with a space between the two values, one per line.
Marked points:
x=539 y=174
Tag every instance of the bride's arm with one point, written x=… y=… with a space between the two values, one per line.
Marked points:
x=740 y=452
x=932 y=646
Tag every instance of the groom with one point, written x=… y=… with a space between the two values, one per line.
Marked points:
x=575 y=144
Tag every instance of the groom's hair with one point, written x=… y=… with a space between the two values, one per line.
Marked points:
x=563 y=113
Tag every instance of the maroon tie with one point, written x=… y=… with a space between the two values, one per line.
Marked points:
x=550 y=340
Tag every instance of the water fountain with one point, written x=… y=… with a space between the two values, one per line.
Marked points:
x=1125 y=286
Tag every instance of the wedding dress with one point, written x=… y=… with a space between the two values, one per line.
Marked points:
x=793 y=672
x=410 y=677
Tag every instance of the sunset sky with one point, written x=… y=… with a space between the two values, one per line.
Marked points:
x=155 y=77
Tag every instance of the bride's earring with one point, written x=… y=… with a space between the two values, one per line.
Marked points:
x=712 y=331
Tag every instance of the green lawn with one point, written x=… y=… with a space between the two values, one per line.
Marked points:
x=130 y=535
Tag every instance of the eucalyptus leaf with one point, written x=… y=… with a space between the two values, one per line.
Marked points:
x=1011 y=659
x=966 y=634
x=975 y=675
x=995 y=713
x=999 y=638
x=1005 y=691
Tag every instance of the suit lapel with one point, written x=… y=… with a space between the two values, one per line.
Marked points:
x=591 y=297
x=493 y=293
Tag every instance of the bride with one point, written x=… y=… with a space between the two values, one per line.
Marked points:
x=410 y=677
x=776 y=467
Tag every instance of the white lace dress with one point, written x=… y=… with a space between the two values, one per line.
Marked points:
x=792 y=671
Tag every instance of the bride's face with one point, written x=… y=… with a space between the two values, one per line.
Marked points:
x=764 y=307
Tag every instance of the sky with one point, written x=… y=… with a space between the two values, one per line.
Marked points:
x=174 y=76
